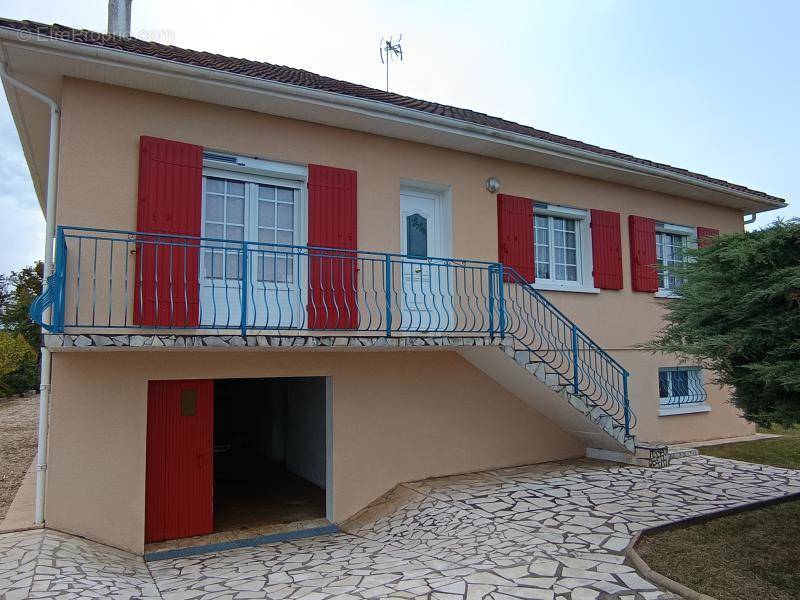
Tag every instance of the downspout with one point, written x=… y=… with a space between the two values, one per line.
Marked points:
x=750 y=219
x=50 y=227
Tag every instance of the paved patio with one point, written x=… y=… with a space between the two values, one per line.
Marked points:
x=554 y=531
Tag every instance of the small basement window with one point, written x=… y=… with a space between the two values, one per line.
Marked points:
x=681 y=390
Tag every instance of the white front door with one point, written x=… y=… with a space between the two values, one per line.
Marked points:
x=257 y=209
x=426 y=296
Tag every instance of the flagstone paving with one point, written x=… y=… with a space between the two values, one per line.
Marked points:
x=555 y=531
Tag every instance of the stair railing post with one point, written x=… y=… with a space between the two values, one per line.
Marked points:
x=387 y=269
x=502 y=301
x=575 y=386
x=57 y=318
x=245 y=282
x=626 y=402
x=491 y=300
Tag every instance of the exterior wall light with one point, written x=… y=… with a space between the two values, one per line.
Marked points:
x=493 y=185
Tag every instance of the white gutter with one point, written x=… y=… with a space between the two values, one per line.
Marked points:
x=118 y=58
x=50 y=220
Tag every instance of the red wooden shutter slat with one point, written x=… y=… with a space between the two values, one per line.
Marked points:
x=332 y=223
x=515 y=235
x=704 y=234
x=606 y=249
x=167 y=291
x=642 y=233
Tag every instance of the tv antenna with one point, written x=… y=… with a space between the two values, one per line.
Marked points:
x=389 y=49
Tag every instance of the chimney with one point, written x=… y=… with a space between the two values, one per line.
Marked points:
x=119 y=18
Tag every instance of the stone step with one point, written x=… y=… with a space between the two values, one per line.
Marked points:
x=679 y=452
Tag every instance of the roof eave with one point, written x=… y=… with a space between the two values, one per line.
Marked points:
x=378 y=109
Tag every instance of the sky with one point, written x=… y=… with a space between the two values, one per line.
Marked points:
x=708 y=85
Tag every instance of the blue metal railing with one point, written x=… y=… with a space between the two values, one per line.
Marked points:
x=569 y=354
x=113 y=280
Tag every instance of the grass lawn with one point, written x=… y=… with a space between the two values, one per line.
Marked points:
x=779 y=452
x=753 y=555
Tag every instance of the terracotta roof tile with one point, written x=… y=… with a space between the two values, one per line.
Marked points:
x=300 y=77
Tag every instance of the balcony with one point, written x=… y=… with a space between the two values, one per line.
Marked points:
x=165 y=289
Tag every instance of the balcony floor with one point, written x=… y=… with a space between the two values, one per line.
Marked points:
x=268 y=340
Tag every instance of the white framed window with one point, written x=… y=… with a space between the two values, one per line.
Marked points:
x=223 y=209
x=681 y=390
x=557 y=254
x=263 y=203
x=276 y=224
x=562 y=248
x=672 y=241
x=243 y=205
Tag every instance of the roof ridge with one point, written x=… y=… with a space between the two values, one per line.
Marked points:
x=303 y=78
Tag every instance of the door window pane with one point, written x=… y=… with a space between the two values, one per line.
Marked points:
x=266 y=214
x=224 y=208
x=215 y=210
x=276 y=223
x=234 y=188
x=417 y=236
x=235 y=211
x=285 y=216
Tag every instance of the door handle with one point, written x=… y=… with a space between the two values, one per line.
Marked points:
x=200 y=461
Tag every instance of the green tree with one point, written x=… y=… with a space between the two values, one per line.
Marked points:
x=18 y=289
x=16 y=360
x=738 y=315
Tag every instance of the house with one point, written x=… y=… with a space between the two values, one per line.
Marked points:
x=275 y=295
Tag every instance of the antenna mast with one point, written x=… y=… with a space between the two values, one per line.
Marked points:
x=387 y=50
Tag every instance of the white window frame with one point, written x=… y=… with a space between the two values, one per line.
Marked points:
x=668 y=407
x=258 y=171
x=691 y=242
x=583 y=244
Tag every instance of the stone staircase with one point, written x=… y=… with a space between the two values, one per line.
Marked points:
x=580 y=403
x=547 y=392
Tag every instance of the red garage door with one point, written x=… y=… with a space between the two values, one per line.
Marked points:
x=179 y=493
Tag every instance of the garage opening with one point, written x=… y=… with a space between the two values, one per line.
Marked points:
x=269 y=451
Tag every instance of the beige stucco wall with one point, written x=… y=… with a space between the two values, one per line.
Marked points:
x=397 y=416
x=98 y=175
x=387 y=429
x=721 y=421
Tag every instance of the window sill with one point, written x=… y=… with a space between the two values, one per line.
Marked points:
x=688 y=409
x=667 y=294
x=556 y=287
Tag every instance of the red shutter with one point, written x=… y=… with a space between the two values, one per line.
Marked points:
x=179 y=480
x=170 y=188
x=642 y=233
x=703 y=235
x=515 y=234
x=607 y=250
x=332 y=223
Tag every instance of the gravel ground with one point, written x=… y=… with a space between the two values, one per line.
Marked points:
x=18 y=422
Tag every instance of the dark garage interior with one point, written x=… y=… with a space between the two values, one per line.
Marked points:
x=269 y=451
